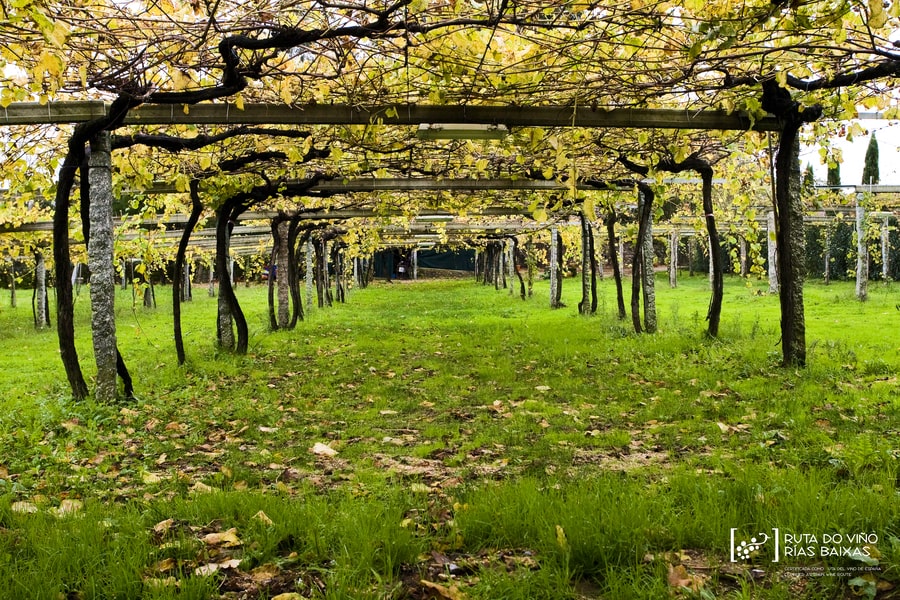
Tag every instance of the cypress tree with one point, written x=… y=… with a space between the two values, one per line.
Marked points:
x=809 y=182
x=870 y=168
x=834 y=174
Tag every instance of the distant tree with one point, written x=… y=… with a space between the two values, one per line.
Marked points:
x=834 y=174
x=870 y=169
x=809 y=181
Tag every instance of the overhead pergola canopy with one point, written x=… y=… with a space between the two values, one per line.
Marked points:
x=518 y=66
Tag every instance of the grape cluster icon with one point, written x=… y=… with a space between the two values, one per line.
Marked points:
x=745 y=549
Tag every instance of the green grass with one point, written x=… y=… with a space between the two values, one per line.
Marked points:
x=540 y=453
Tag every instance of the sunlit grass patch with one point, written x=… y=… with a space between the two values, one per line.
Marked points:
x=542 y=453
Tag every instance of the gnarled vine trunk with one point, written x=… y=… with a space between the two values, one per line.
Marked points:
x=196 y=210
x=614 y=262
x=790 y=236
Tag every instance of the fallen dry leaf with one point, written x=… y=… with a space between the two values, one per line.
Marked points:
x=155 y=583
x=226 y=539
x=163 y=527
x=323 y=449
x=451 y=593
x=264 y=573
x=289 y=596
x=23 y=507
x=166 y=564
x=680 y=578
x=151 y=478
x=201 y=488
x=209 y=569
x=67 y=508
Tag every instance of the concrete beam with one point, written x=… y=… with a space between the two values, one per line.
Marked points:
x=33 y=113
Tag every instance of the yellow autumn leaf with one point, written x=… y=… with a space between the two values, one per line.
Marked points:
x=264 y=573
x=263 y=517
x=285 y=91
x=561 y=540
x=877 y=16
x=180 y=80
x=166 y=564
x=226 y=539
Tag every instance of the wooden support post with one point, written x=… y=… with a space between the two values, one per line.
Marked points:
x=885 y=249
x=712 y=252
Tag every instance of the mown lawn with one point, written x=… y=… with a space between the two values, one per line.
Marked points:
x=448 y=440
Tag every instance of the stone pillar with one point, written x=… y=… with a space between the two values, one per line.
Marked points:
x=309 y=273
x=281 y=276
x=554 y=266
x=745 y=266
x=40 y=291
x=773 y=249
x=862 y=253
x=186 y=292
x=621 y=257
x=673 y=258
x=103 y=272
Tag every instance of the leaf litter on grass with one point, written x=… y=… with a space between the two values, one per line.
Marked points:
x=439 y=424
